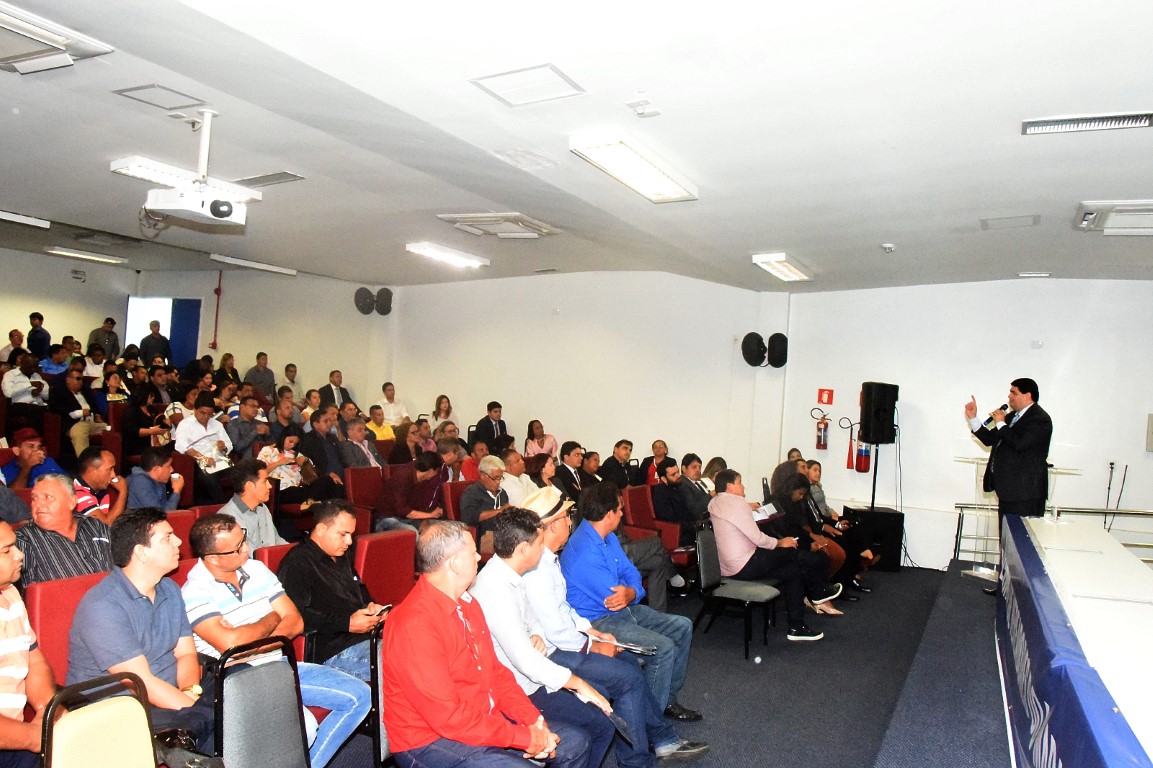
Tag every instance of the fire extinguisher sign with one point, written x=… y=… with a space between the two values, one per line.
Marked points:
x=824 y=397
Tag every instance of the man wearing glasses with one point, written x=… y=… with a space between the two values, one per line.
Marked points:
x=484 y=499
x=80 y=421
x=231 y=599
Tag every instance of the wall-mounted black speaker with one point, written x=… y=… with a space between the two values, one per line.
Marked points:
x=878 y=413
x=383 y=301
x=364 y=300
x=753 y=349
x=778 y=350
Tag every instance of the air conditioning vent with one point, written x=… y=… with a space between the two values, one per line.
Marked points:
x=1132 y=218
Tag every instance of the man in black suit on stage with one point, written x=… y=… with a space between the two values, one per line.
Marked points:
x=1018 y=468
x=333 y=393
x=491 y=426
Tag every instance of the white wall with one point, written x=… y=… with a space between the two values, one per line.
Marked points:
x=44 y=284
x=597 y=357
x=943 y=343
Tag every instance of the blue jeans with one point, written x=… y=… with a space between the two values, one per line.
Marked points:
x=624 y=685
x=347 y=699
x=563 y=708
x=571 y=752
x=670 y=633
x=353 y=660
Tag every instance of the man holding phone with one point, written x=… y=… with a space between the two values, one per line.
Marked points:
x=748 y=554
x=319 y=577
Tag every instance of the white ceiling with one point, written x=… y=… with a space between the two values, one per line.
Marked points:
x=822 y=130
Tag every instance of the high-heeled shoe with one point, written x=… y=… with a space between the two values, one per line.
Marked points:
x=825 y=608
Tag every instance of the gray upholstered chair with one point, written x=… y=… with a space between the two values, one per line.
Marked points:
x=380 y=751
x=718 y=592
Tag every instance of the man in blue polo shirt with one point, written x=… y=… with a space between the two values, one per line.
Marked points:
x=134 y=621
x=605 y=588
x=30 y=462
x=231 y=600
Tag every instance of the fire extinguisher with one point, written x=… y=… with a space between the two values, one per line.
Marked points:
x=864 y=455
x=822 y=429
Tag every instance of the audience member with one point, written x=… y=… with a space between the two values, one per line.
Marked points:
x=148 y=484
x=27 y=680
x=516 y=483
x=616 y=468
x=57 y=361
x=320 y=446
x=491 y=426
x=395 y=413
x=347 y=412
x=79 y=422
x=652 y=468
x=695 y=495
x=144 y=424
x=227 y=372
x=468 y=709
x=244 y=430
x=334 y=393
x=15 y=344
x=539 y=442
x=424 y=435
x=380 y=429
x=356 y=450
x=58 y=543
x=155 y=345
x=30 y=462
x=669 y=505
x=232 y=600
x=203 y=439
x=569 y=473
x=441 y=412
x=282 y=417
x=714 y=465
x=485 y=499
x=134 y=621
x=518 y=638
x=319 y=578
x=590 y=468
x=470 y=466
x=27 y=391
x=249 y=505
x=261 y=377
x=748 y=554
x=408 y=499
x=573 y=642
x=39 y=339
x=96 y=474
x=605 y=588
x=13 y=509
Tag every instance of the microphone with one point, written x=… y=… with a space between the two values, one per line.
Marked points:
x=989 y=422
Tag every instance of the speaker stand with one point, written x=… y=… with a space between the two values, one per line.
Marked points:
x=876 y=461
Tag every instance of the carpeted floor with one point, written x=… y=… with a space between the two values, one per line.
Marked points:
x=830 y=703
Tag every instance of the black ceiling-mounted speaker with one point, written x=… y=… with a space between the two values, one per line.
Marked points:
x=365 y=300
x=778 y=350
x=753 y=349
x=383 y=301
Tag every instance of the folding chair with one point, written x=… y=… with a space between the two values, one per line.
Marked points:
x=719 y=592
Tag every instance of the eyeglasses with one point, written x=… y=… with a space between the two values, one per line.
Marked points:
x=243 y=543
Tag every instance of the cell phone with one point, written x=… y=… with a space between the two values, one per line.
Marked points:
x=385 y=608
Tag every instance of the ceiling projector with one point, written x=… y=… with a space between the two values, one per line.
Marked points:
x=195 y=205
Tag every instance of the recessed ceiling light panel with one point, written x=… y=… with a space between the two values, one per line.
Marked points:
x=777 y=265
x=627 y=161
x=531 y=85
x=447 y=255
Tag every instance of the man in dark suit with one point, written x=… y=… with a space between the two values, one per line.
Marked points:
x=616 y=468
x=568 y=472
x=333 y=393
x=491 y=426
x=319 y=445
x=1018 y=467
x=79 y=420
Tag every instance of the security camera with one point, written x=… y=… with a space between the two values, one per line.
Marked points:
x=221 y=209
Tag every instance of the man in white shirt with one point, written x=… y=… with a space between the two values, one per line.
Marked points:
x=203 y=439
x=394 y=412
x=290 y=382
x=515 y=482
x=15 y=342
x=27 y=390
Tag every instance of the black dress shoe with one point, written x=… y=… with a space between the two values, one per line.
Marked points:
x=677 y=711
x=992 y=591
x=858 y=586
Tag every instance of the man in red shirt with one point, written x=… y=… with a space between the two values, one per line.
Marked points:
x=448 y=701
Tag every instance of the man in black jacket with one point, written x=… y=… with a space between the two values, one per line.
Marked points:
x=616 y=468
x=319 y=577
x=491 y=426
x=320 y=445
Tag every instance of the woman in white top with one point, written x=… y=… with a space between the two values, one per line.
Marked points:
x=441 y=412
x=283 y=464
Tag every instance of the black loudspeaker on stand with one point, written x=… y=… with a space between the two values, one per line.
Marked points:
x=878 y=421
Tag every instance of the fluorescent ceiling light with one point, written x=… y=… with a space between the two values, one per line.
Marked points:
x=630 y=164
x=20 y=218
x=776 y=264
x=85 y=255
x=178 y=178
x=1034 y=274
x=252 y=264
x=1074 y=124
x=447 y=255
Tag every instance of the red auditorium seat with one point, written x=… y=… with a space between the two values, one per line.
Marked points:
x=386 y=563
x=637 y=501
x=51 y=605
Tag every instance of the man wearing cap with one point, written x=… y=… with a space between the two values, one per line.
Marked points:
x=574 y=643
x=106 y=337
x=484 y=499
x=31 y=460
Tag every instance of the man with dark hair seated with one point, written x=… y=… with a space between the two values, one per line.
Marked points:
x=616 y=468
x=96 y=473
x=569 y=469
x=605 y=588
x=246 y=429
x=30 y=462
x=59 y=544
x=319 y=445
x=695 y=496
x=669 y=505
x=249 y=504
x=406 y=492
x=491 y=426
x=134 y=621
x=149 y=481
x=748 y=554
x=231 y=599
x=318 y=576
